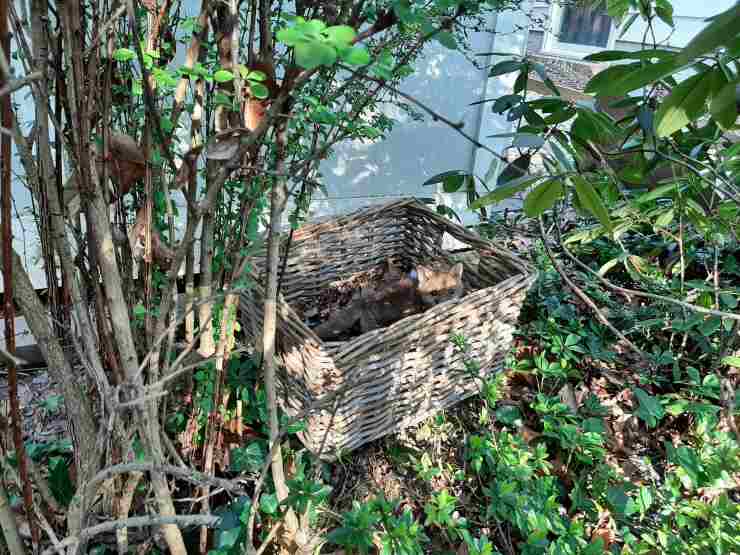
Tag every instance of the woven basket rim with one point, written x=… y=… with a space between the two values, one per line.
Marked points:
x=477 y=243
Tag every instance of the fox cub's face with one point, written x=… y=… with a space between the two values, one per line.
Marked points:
x=437 y=285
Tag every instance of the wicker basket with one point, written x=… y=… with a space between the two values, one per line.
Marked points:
x=376 y=384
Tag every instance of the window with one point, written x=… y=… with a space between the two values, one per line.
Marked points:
x=577 y=31
x=586 y=26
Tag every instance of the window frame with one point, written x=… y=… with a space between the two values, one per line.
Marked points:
x=551 y=44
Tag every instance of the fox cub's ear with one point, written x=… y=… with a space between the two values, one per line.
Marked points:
x=424 y=274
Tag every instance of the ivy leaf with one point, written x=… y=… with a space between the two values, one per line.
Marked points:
x=341 y=35
x=542 y=198
x=123 y=55
x=356 y=56
x=683 y=105
x=259 y=90
x=650 y=410
x=310 y=55
x=290 y=36
x=592 y=202
x=223 y=76
x=722 y=30
x=269 y=504
x=255 y=75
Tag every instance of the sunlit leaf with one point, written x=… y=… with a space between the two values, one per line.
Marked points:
x=682 y=106
x=123 y=54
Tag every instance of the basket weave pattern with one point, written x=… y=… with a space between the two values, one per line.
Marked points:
x=389 y=378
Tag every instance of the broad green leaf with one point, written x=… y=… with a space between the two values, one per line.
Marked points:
x=123 y=55
x=643 y=76
x=614 y=55
x=658 y=192
x=723 y=106
x=341 y=35
x=594 y=126
x=602 y=81
x=356 y=56
x=591 y=201
x=617 y=8
x=259 y=90
x=682 y=106
x=313 y=54
x=542 y=198
x=441 y=177
x=502 y=193
x=722 y=30
x=664 y=10
x=507 y=66
x=223 y=76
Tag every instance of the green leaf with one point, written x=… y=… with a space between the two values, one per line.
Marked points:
x=602 y=81
x=223 y=76
x=504 y=67
x=123 y=55
x=723 y=106
x=664 y=10
x=255 y=75
x=722 y=30
x=658 y=192
x=617 y=8
x=591 y=201
x=356 y=56
x=311 y=55
x=341 y=35
x=139 y=311
x=259 y=90
x=665 y=219
x=542 y=198
x=732 y=361
x=446 y=176
x=290 y=36
x=594 y=126
x=614 y=55
x=502 y=193
x=446 y=39
x=683 y=105
x=642 y=76
x=650 y=410
x=269 y=503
